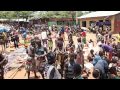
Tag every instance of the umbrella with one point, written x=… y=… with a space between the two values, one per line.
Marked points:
x=4 y=30
x=1 y=29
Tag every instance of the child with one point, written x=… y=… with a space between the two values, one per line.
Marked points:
x=50 y=43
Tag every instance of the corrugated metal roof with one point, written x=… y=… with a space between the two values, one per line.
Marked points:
x=99 y=14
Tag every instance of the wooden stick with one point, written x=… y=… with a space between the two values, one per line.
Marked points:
x=16 y=70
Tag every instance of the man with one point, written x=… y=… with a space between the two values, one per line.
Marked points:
x=102 y=66
x=62 y=32
x=40 y=54
x=50 y=70
x=91 y=55
x=77 y=72
x=3 y=62
x=96 y=59
x=16 y=40
x=106 y=48
x=70 y=36
x=96 y=74
x=69 y=67
x=30 y=64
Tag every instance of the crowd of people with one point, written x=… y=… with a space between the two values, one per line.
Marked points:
x=66 y=61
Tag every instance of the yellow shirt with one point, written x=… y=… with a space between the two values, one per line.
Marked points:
x=5 y=36
x=118 y=38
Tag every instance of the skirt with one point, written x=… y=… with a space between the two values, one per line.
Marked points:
x=84 y=40
x=31 y=66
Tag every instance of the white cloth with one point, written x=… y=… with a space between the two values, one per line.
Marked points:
x=50 y=28
x=44 y=35
x=56 y=73
x=90 y=45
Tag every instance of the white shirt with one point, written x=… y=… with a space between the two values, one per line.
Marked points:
x=44 y=35
x=50 y=28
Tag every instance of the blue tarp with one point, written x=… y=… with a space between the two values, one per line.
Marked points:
x=3 y=30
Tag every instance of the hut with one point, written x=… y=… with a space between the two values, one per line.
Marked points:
x=111 y=18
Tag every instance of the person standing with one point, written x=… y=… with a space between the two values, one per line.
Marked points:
x=79 y=52
x=69 y=67
x=30 y=64
x=40 y=54
x=50 y=43
x=51 y=71
x=77 y=72
x=16 y=40
x=118 y=38
x=44 y=37
x=83 y=37
x=91 y=55
x=60 y=56
x=3 y=62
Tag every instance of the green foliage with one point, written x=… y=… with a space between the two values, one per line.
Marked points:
x=14 y=14
x=39 y=14
x=56 y=14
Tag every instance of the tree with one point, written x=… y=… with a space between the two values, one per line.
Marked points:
x=23 y=14
x=56 y=14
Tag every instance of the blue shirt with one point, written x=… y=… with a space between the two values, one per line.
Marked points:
x=102 y=65
x=96 y=59
x=24 y=35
